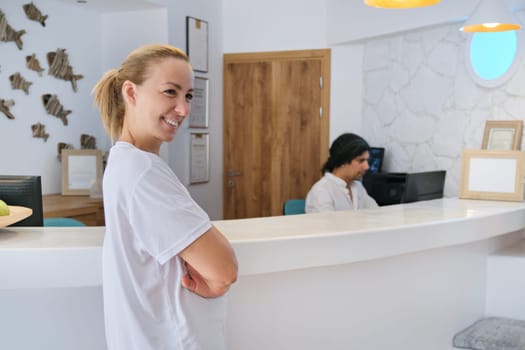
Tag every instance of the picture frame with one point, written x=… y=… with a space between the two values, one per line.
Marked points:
x=199 y=158
x=492 y=175
x=197 y=43
x=502 y=135
x=80 y=170
x=199 y=104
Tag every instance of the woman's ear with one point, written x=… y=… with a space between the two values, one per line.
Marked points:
x=128 y=92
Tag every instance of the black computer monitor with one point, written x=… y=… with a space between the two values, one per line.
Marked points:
x=25 y=191
x=424 y=186
x=375 y=160
x=385 y=188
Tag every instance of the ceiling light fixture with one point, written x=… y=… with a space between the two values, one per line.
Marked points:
x=491 y=16
x=400 y=4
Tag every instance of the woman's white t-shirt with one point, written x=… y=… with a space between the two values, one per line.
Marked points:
x=331 y=193
x=150 y=218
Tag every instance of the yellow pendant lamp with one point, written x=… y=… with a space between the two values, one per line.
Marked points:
x=491 y=16
x=401 y=4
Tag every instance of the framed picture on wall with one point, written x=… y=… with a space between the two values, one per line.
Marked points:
x=502 y=135
x=492 y=175
x=199 y=104
x=81 y=168
x=197 y=43
x=199 y=158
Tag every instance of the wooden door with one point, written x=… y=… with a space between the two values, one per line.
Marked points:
x=275 y=128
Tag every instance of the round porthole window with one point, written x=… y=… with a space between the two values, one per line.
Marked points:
x=491 y=56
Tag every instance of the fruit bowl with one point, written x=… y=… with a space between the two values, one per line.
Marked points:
x=16 y=214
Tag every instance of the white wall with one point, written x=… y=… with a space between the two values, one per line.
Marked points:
x=273 y=25
x=422 y=104
x=346 y=100
x=76 y=31
x=125 y=31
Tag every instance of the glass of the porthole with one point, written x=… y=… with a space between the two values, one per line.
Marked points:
x=515 y=54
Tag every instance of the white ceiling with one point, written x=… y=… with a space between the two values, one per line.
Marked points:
x=134 y=5
x=112 y=5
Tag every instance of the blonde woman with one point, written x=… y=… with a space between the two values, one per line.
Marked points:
x=165 y=266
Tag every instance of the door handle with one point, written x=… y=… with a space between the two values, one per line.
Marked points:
x=232 y=173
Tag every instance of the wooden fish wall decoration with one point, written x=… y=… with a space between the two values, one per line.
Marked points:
x=54 y=107
x=7 y=33
x=34 y=14
x=60 y=68
x=4 y=107
x=61 y=146
x=19 y=83
x=88 y=142
x=39 y=131
x=33 y=64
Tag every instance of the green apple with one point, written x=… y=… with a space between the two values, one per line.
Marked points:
x=4 y=209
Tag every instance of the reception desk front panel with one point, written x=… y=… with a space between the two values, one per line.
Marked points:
x=406 y=276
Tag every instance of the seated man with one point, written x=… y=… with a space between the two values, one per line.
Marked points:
x=340 y=188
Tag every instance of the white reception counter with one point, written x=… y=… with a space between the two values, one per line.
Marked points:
x=406 y=276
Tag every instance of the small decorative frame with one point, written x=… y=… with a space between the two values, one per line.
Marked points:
x=199 y=158
x=199 y=104
x=502 y=135
x=492 y=175
x=197 y=43
x=80 y=169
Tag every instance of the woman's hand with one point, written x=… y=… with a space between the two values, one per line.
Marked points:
x=197 y=284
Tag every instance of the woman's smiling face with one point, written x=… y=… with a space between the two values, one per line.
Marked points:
x=157 y=107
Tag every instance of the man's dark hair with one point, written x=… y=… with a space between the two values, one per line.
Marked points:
x=343 y=150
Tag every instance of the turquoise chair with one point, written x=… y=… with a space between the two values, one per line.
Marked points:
x=56 y=222
x=294 y=207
